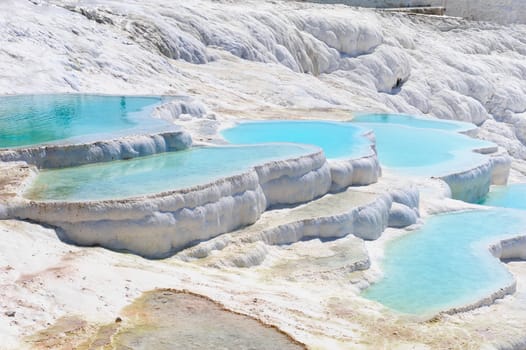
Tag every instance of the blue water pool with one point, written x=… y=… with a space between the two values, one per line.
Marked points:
x=154 y=174
x=338 y=140
x=423 y=149
x=511 y=196
x=406 y=145
x=413 y=121
x=36 y=119
x=446 y=263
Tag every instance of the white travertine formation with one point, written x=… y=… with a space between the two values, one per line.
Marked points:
x=287 y=182
x=155 y=226
x=405 y=208
x=181 y=107
x=246 y=58
x=490 y=299
x=320 y=56
x=59 y=156
x=367 y=222
x=472 y=185
x=511 y=248
x=356 y=211
x=354 y=172
x=401 y=216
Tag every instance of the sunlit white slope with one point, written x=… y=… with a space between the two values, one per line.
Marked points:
x=240 y=56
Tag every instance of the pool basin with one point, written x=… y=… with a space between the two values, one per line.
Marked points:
x=413 y=121
x=28 y=120
x=338 y=140
x=155 y=174
x=511 y=196
x=447 y=263
x=158 y=205
x=420 y=147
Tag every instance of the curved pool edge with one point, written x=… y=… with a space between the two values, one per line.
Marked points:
x=126 y=147
x=357 y=212
x=505 y=249
x=472 y=185
x=361 y=170
x=146 y=119
x=157 y=225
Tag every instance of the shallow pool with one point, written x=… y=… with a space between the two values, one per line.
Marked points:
x=413 y=121
x=35 y=119
x=338 y=140
x=511 y=196
x=446 y=263
x=154 y=174
x=425 y=152
x=406 y=145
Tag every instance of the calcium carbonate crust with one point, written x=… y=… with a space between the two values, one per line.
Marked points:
x=63 y=155
x=473 y=184
x=158 y=225
x=366 y=221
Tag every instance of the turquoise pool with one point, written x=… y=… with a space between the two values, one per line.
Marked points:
x=338 y=140
x=446 y=263
x=419 y=146
x=511 y=196
x=413 y=121
x=425 y=151
x=154 y=174
x=36 y=119
x=427 y=148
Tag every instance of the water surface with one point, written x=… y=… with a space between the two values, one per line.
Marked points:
x=157 y=173
x=447 y=262
x=511 y=196
x=338 y=140
x=425 y=152
x=406 y=145
x=414 y=121
x=37 y=119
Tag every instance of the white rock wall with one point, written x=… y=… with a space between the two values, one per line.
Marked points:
x=473 y=185
x=367 y=222
x=354 y=172
x=158 y=225
x=405 y=208
x=59 y=156
x=154 y=226
x=512 y=248
x=287 y=182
